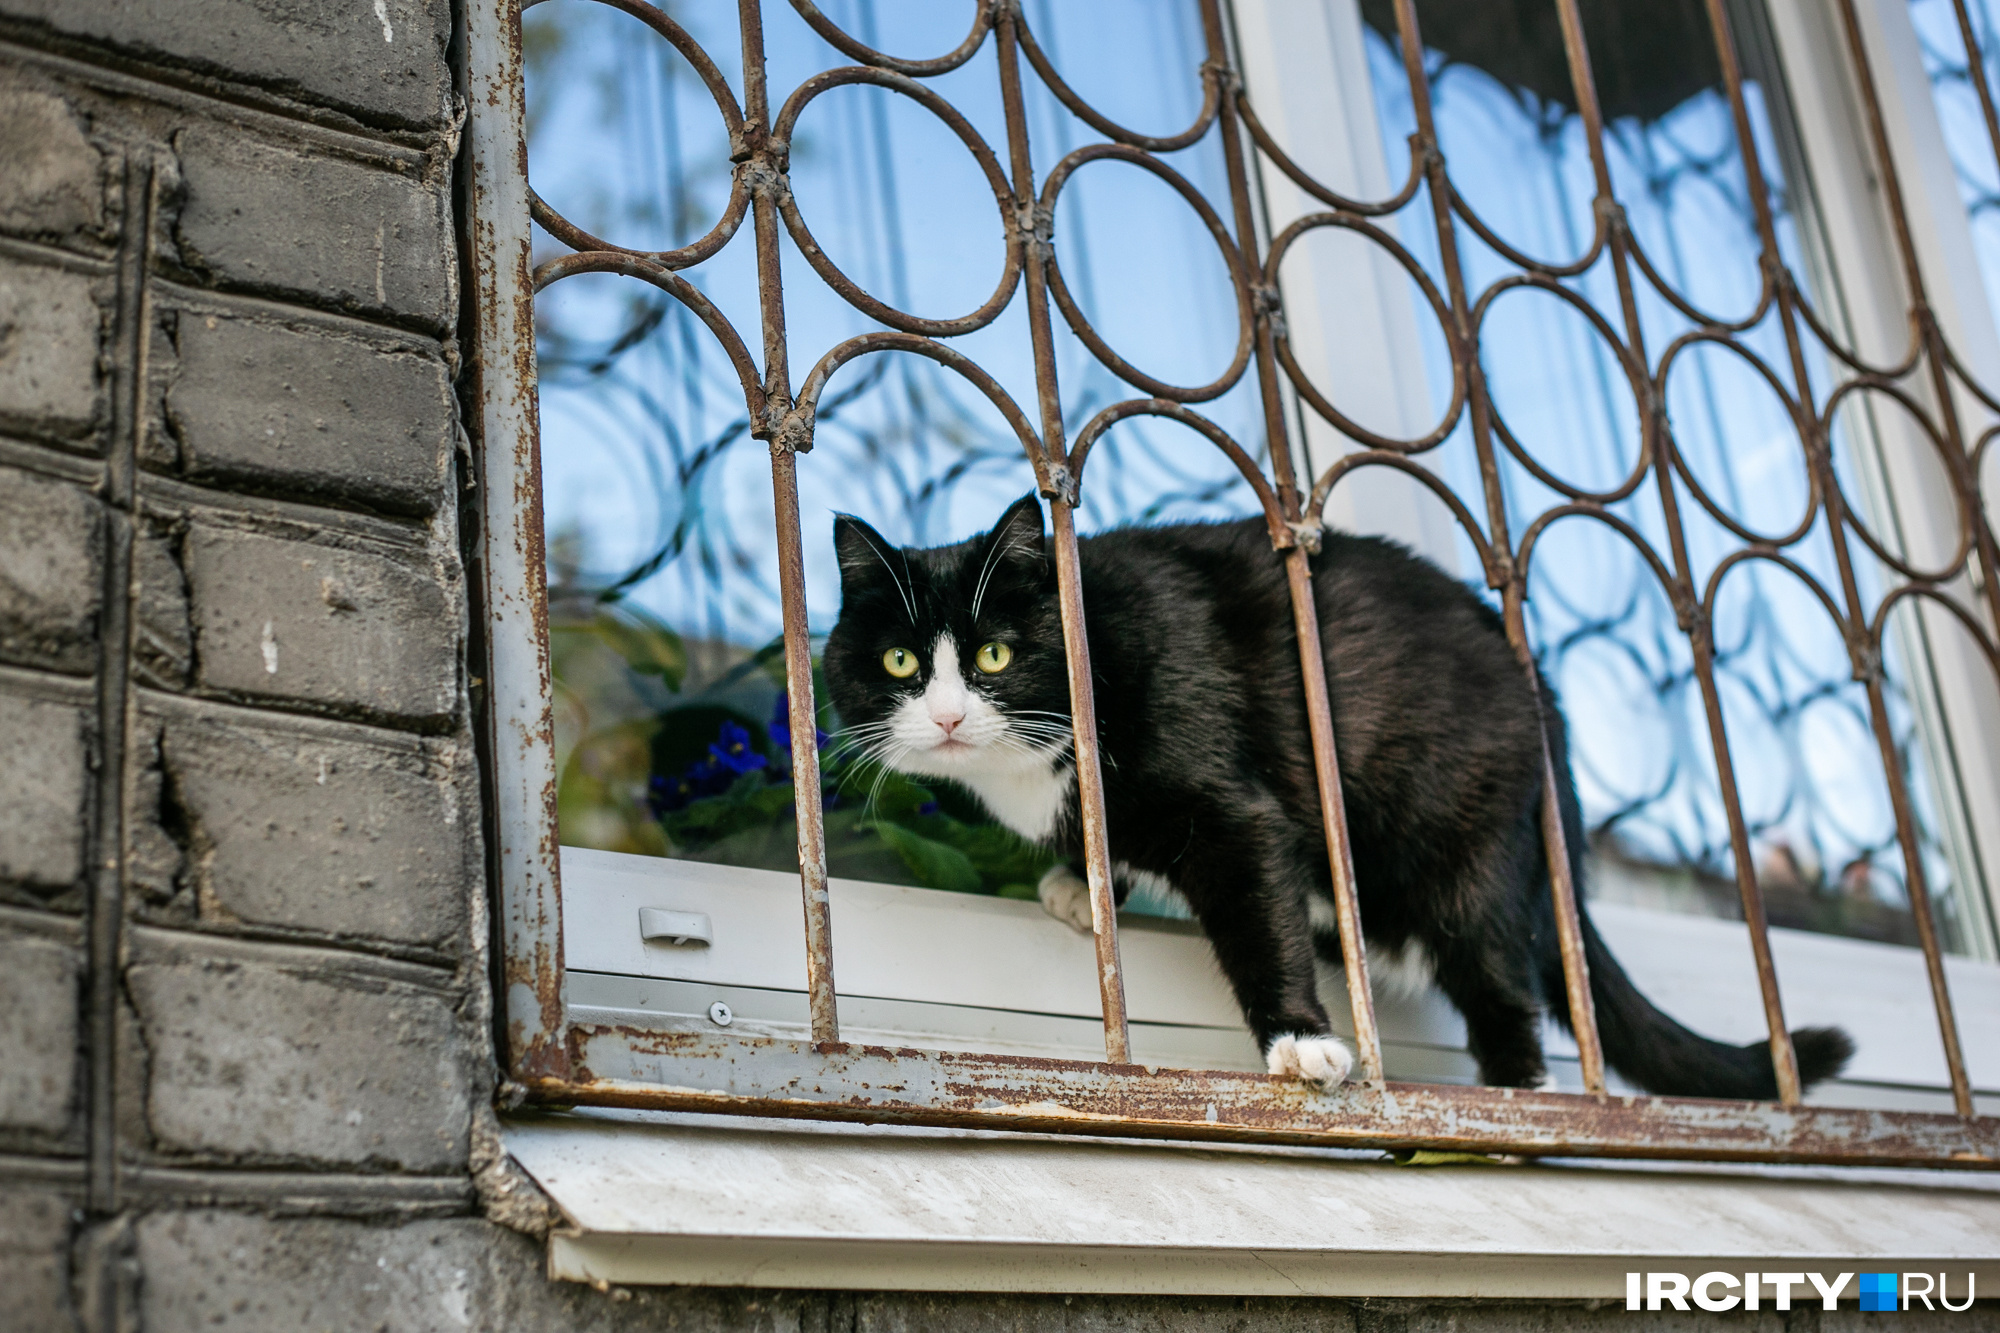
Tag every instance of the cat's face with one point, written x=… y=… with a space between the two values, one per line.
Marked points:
x=948 y=662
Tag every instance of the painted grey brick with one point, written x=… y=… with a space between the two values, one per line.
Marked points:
x=38 y=1031
x=50 y=327
x=310 y=413
x=294 y=620
x=296 y=830
x=274 y=1062
x=49 y=572
x=51 y=175
x=42 y=776
x=224 y=1272
x=382 y=61
x=34 y=1259
x=233 y=1272
x=361 y=237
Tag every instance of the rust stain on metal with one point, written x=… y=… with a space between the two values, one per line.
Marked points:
x=829 y=1079
x=767 y=1077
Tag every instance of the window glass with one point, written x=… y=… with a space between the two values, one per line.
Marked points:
x=1963 y=121
x=1807 y=764
x=671 y=733
x=664 y=611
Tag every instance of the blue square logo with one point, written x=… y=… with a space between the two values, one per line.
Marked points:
x=1878 y=1291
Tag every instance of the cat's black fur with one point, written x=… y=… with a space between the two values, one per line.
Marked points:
x=1208 y=771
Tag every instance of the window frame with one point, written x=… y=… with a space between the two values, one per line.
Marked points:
x=553 y=1060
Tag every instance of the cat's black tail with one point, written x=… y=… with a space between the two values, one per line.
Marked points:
x=1640 y=1042
x=1661 y=1056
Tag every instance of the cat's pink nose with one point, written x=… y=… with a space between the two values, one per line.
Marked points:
x=947 y=722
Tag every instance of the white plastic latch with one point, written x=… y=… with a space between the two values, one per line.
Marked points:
x=657 y=923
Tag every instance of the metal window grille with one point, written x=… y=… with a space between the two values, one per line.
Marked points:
x=554 y=1061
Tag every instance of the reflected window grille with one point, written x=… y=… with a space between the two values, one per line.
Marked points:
x=1823 y=836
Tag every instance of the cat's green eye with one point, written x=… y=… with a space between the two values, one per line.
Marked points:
x=993 y=658
x=901 y=663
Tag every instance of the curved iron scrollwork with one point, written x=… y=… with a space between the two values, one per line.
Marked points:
x=1925 y=380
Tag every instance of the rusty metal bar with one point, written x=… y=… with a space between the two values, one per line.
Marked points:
x=1502 y=572
x=1657 y=448
x=1090 y=786
x=1034 y=227
x=789 y=434
x=695 y=1071
x=1784 y=1060
x=1989 y=550
x=1298 y=570
x=1916 y=882
x=1819 y=449
x=511 y=569
x=1333 y=813
x=1562 y=882
x=1555 y=839
x=805 y=755
x=1975 y=63
x=1819 y=464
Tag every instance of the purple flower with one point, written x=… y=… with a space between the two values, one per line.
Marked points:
x=731 y=750
x=664 y=795
x=927 y=808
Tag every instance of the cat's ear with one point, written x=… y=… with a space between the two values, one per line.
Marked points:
x=863 y=552
x=1017 y=544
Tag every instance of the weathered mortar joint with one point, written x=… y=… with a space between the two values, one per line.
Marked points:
x=163 y=642
x=508 y=1196
x=105 y=1275
x=160 y=445
x=166 y=844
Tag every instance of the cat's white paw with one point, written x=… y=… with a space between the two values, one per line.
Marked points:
x=1066 y=897
x=1548 y=1084
x=1316 y=1059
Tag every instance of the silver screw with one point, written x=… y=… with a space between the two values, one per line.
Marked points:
x=719 y=1014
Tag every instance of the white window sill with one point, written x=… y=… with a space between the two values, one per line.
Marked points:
x=949 y=971
x=719 y=1201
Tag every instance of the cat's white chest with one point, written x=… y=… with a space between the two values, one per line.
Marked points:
x=1027 y=800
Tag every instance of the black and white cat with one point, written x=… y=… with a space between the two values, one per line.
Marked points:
x=948 y=663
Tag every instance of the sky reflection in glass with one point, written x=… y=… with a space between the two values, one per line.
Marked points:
x=656 y=495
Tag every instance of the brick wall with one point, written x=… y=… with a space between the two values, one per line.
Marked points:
x=243 y=1016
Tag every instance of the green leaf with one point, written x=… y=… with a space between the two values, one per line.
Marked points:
x=934 y=863
x=999 y=854
x=898 y=797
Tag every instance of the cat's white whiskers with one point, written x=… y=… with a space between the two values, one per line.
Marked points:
x=902 y=584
